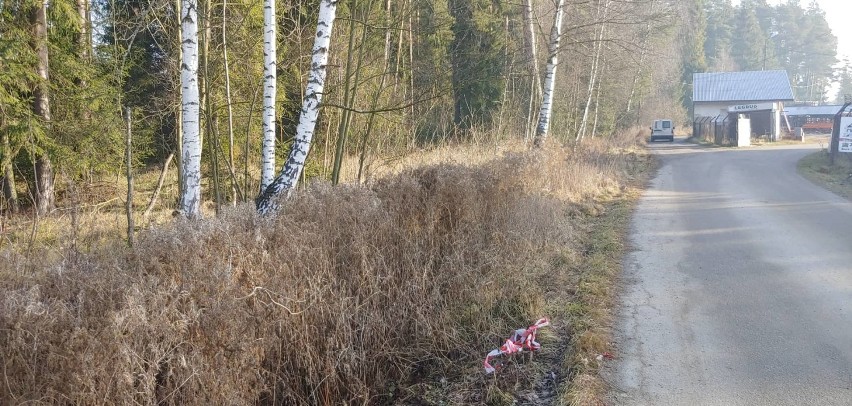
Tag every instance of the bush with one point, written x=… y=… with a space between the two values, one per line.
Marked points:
x=347 y=293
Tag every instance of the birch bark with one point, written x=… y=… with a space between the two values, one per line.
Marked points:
x=190 y=201
x=289 y=176
x=270 y=77
x=550 y=78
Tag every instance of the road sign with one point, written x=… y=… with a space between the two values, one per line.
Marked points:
x=845 y=144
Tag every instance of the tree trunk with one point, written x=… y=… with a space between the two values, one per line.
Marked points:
x=363 y=149
x=643 y=50
x=9 y=191
x=289 y=176
x=532 y=59
x=550 y=78
x=159 y=187
x=209 y=116
x=348 y=89
x=532 y=51
x=83 y=38
x=597 y=105
x=593 y=73
x=179 y=112
x=128 y=158
x=267 y=172
x=45 y=196
x=84 y=49
x=247 y=146
x=229 y=103
x=190 y=201
x=352 y=94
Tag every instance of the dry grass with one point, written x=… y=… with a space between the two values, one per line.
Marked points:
x=591 y=309
x=356 y=295
x=837 y=178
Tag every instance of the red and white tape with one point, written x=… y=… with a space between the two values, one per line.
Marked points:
x=521 y=339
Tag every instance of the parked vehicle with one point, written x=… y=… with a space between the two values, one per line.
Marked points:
x=662 y=130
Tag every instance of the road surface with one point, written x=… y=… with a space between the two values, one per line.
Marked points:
x=738 y=289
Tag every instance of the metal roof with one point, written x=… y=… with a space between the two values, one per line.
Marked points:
x=769 y=85
x=827 y=110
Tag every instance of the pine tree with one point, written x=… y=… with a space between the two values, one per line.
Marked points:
x=749 y=40
x=844 y=81
x=693 y=48
x=719 y=32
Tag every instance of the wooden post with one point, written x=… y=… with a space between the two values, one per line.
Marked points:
x=834 y=145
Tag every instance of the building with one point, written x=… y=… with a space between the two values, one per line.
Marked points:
x=812 y=119
x=733 y=97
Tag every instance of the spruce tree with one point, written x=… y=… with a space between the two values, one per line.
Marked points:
x=477 y=55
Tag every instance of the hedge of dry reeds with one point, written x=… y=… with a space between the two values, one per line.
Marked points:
x=341 y=299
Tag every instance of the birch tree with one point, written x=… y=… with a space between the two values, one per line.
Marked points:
x=190 y=200
x=286 y=181
x=550 y=78
x=535 y=83
x=270 y=78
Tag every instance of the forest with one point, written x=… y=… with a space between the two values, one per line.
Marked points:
x=402 y=75
x=460 y=168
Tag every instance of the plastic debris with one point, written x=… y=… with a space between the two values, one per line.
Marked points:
x=522 y=339
x=605 y=356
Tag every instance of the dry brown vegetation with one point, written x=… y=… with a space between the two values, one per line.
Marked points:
x=837 y=178
x=390 y=293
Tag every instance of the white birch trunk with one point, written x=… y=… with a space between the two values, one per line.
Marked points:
x=190 y=200
x=292 y=169
x=270 y=82
x=550 y=78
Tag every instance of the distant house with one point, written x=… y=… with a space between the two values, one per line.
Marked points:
x=812 y=118
x=756 y=95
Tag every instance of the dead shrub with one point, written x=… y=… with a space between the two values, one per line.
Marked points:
x=348 y=293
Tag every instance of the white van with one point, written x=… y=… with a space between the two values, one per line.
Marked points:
x=662 y=129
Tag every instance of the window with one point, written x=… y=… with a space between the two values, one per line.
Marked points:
x=667 y=124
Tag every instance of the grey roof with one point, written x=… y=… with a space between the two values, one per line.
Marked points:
x=827 y=110
x=769 y=85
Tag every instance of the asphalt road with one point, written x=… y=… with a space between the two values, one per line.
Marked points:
x=738 y=290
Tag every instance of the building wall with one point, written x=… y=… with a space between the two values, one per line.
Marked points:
x=713 y=109
x=763 y=122
x=706 y=109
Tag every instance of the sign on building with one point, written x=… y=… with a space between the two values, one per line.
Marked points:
x=845 y=144
x=744 y=108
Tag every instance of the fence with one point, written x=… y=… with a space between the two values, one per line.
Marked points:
x=720 y=130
